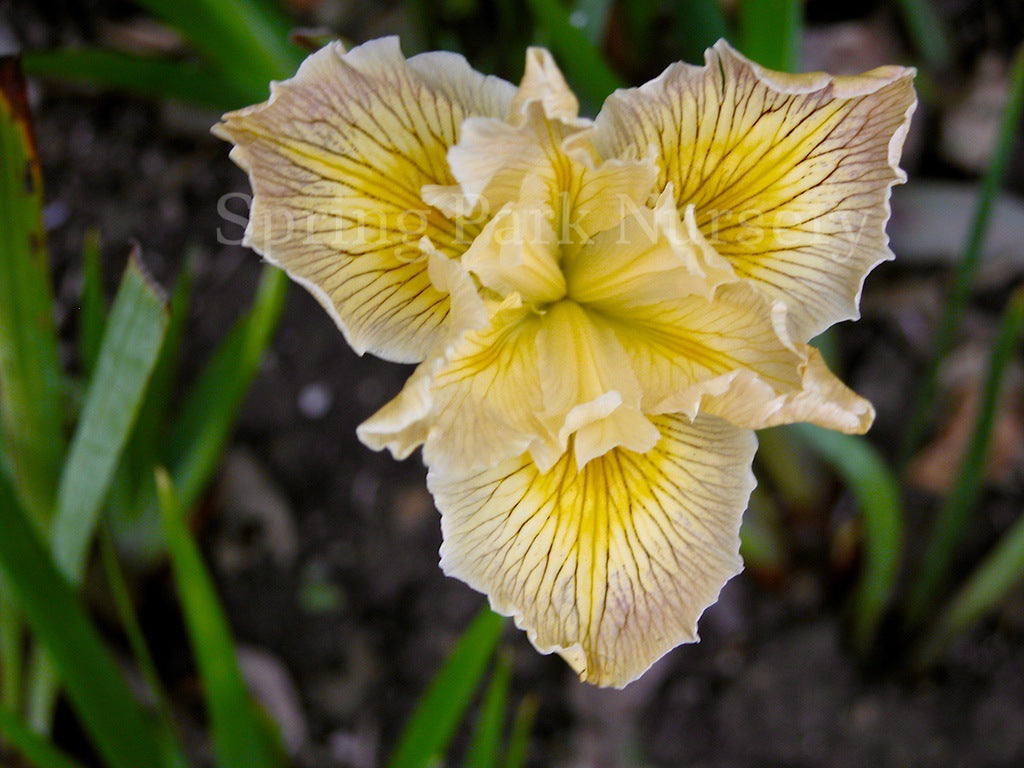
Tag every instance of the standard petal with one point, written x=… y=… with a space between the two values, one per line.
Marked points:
x=337 y=158
x=543 y=81
x=494 y=157
x=494 y=161
x=612 y=565
x=517 y=251
x=789 y=174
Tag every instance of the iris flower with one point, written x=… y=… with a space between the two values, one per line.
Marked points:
x=602 y=311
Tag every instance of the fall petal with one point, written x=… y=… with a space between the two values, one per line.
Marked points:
x=789 y=174
x=611 y=565
x=747 y=401
x=337 y=158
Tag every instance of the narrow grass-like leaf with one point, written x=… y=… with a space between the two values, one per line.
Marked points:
x=132 y=508
x=241 y=735
x=202 y=428
x=93 y=317
x=133 y=631
x=31 y=382
x=771 y=32
x=485 y=746
x=127 y=356
x=878 y=496
x=927 y=31
x=583 y=63
x=248 y=39
x=37 y=750
x=110 y=716
x=696 y=26
x=955 y=515
x=440 y=710
x=966 y=270
x=151 y=427
x=144 y=76
x=519 y=740
x=987 y=587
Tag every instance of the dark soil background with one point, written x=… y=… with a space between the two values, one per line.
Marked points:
x=326 y=553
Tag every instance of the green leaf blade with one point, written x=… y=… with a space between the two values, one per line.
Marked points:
x=241 y=736
x=954 y=518
x=39 y=751
x=582 y=60
x=204 y=423
x=31 y=381
x=108 y=713
x=771 y=32
x=153 y=78
x=485 y=747
x=128 y=353
x=967 y=268
x=877 y=493
x=432 y=725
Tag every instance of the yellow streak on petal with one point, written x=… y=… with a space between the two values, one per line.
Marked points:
x=612 y=565
x=789 y=175
x=337 y=158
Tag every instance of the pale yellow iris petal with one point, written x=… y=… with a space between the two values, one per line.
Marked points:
x=473 y=406
x=403 y=424
x=337 y=158
x=748 y=401
x=487 y=395
x=588 y=386
x=493 y=157
x=789 y=175
x=495 y=160
x=466 y=309
x=543 y=81
x=612 y=565
x=518 y=250
x=676 y=346
x=649 y=256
